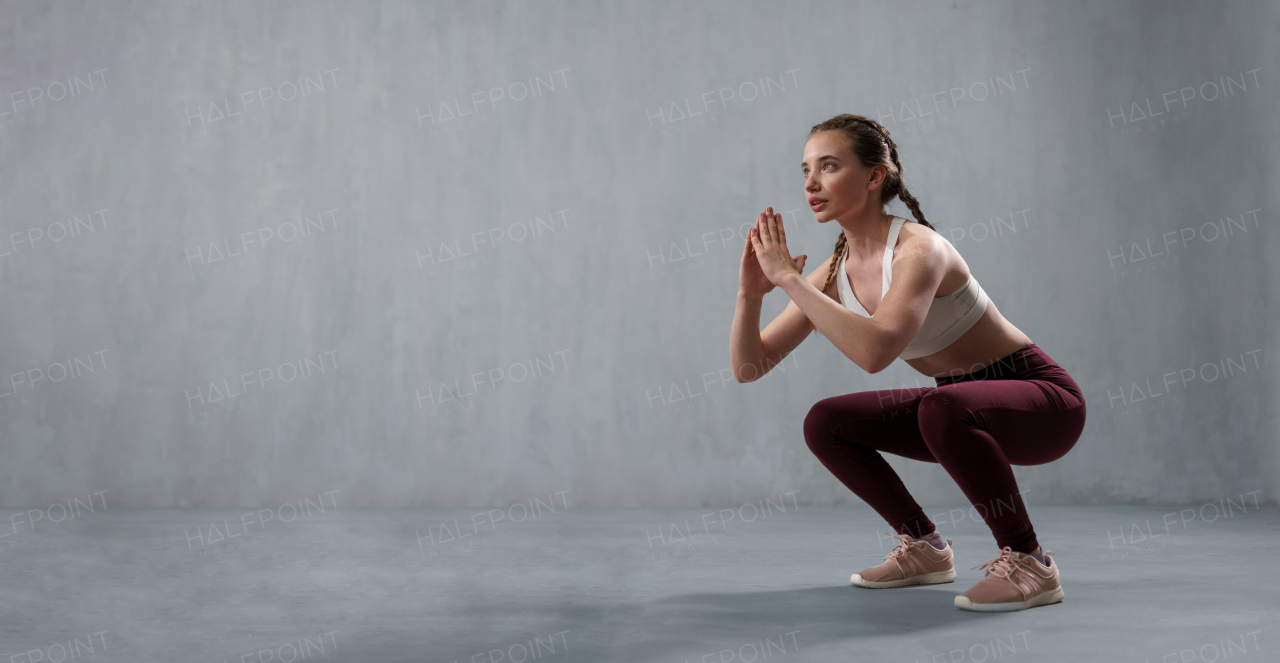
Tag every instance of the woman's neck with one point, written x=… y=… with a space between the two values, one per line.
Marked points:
x=867 y=235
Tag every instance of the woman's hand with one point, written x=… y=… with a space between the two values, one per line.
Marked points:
x=768 y=244
x=751 y=278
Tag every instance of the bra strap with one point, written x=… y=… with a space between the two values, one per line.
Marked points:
x=887 y=268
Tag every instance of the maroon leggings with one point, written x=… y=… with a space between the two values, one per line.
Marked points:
x=1023 y=409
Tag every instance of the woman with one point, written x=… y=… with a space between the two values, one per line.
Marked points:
x=999 y=400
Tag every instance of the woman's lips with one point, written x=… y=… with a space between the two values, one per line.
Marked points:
x=818 y=205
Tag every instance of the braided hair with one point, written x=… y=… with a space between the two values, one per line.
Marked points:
x=871 y=143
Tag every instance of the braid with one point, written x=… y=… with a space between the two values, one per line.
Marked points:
x=900 y=188
x=835 y=258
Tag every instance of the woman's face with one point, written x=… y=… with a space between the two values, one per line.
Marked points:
x=836 y=184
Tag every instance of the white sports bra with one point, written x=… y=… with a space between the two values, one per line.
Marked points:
x=949 y=316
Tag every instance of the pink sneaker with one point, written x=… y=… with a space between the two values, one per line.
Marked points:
x=1014 y=581
x=911 y=562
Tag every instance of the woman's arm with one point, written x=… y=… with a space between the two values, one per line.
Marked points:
x=873 y=343
x=746 y=347
x=755 y=352
x=752 y=353
x=857 y=337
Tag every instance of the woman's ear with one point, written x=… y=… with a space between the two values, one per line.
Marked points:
x=878 y=173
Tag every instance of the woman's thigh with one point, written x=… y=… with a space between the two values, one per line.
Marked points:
x=886 y=420
x=1024 y=417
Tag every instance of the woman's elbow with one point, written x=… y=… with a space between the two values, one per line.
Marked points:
x=749 y=372
x=881 y=359
x=880 y=356
x=870 y=364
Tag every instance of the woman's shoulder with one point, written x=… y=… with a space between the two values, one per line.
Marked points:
x=925 y=242
x=917 y=238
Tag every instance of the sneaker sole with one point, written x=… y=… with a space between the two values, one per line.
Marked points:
x=1054 y=595
x=935 y=578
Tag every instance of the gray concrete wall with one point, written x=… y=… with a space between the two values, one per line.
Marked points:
x=485 y=254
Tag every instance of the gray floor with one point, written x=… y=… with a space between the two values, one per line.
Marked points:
x=1143 y=584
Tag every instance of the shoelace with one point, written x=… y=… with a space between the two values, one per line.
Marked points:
x=1006 y=563
x=902 y=548
x=1003 y=565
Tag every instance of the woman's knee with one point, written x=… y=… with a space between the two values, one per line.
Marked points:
x=828 y=425
x=831 y=431
x=819 y=425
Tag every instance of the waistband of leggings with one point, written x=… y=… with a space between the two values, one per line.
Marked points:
x=1009 y=366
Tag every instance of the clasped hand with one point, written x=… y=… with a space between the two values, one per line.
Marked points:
x=767 y=255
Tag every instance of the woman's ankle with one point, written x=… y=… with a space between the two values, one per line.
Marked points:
x=934 y=539
x=1039 y=556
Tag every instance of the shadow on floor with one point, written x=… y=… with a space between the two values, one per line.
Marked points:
x=753 y=625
